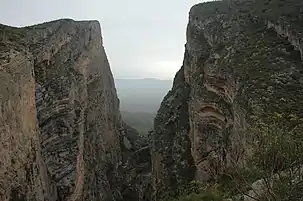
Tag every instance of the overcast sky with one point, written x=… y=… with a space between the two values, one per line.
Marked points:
x=143 y=39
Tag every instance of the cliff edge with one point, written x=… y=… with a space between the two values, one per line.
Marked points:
x=61 y=129
x=242 y=66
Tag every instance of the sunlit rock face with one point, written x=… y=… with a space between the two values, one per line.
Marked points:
x=242 y=63
x=61 y=130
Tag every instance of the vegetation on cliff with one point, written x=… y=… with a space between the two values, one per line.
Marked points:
x=242 y=93
x=273 y=172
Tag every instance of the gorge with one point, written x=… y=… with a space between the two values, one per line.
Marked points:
x=240 y=85
x=61 y=130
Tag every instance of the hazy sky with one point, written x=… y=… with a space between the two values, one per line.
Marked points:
x=142 y=38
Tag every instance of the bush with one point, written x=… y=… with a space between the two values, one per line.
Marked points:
x=276 y=162
x=201 y=193
x=276 y=147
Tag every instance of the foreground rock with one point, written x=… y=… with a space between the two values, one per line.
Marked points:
x=61 y=130
x=242 y=63
x=22 y=171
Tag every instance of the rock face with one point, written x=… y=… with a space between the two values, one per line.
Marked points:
x=78 y=110
x=22 y=171
x=242 y=63
x=61 y=130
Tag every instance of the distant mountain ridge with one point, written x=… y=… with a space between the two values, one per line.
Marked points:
x=142 y=122
x=140 y=100
x=141 y=95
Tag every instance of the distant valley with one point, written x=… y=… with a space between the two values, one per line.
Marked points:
x=140 y=99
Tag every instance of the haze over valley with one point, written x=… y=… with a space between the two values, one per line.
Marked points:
x=140 y=100
x=151 y=100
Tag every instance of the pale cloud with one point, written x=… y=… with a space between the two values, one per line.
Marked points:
x=142 y=38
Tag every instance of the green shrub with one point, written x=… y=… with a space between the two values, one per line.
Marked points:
x=277 y=159
x=198 y=192
x=278 y=147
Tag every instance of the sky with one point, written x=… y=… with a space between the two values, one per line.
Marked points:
x=142 y=39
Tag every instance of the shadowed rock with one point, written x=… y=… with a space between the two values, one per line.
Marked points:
x=61 y=130
x=242 y=63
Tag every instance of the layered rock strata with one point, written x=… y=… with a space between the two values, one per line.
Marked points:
x=61 y=130
x=242 y=64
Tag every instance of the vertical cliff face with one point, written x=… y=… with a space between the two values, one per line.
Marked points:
x=18 y=124
x=242 y=64
x=22 y=173
x=172 y=164
x=78 y=110
x=61 y=130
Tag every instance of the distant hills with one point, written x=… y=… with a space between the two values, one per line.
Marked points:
x=140 y=100
x=141 y=121
x=141 y=95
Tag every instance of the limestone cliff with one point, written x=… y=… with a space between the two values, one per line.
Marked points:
x=22 y=171
x=61 y=130
x=78 y=110
x=242 y=64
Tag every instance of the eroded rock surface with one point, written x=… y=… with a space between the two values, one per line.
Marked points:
x=22 y=172
x=78 y=110
x=242 y=63
x=61 y=131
